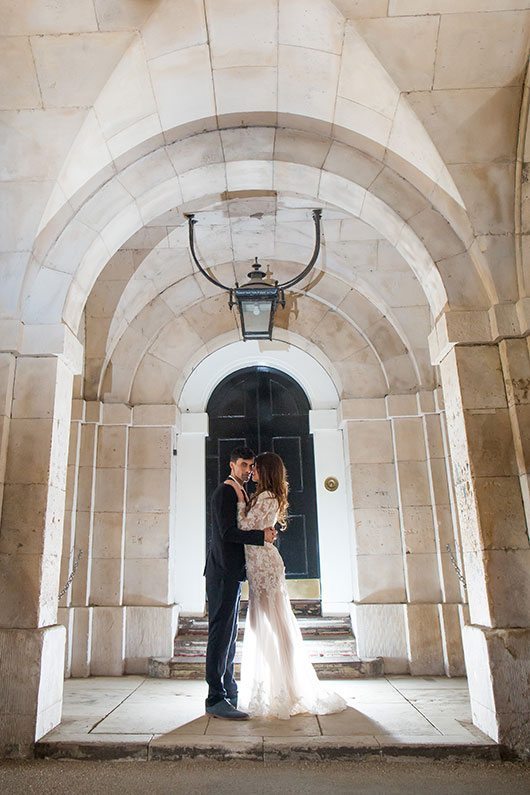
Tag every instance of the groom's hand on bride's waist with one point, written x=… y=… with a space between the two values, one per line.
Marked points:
x=270 y=534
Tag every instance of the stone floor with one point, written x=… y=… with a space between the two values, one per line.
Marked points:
x=136 y=717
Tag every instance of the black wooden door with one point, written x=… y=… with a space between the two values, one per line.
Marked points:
x=266 y=410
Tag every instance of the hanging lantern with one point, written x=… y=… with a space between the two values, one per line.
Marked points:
x=258 y=299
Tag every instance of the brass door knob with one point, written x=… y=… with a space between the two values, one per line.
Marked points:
x=331 y=484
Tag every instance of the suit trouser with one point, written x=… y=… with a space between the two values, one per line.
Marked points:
x=223 y=605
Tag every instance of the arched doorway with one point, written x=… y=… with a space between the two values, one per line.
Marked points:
x=333 y=508
x=267 y=410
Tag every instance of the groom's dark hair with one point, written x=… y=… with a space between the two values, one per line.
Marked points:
x=242 y=452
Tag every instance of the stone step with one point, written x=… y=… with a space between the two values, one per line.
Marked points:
x=318 y=649
x=333 y=658
x=338 y=667
x=295 y=749
x=300 y=607
x=311 y=627
x=329 y=642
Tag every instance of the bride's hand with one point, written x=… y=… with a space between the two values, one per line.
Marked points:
x=240 y=495
x=270 y=534
x=238 y=490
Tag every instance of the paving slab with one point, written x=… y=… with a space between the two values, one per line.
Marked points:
x=299 y=725
x=141 y=718
x=428 y=682
x=378 y=719
x=156 y=718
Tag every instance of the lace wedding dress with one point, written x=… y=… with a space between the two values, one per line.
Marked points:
x=277 y=678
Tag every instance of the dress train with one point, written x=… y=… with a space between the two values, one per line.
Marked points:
x=277 y=677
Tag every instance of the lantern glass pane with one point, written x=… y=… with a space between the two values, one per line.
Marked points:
x=256 y=316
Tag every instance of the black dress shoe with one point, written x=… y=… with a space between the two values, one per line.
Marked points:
x=233 y=701
x=224 y=709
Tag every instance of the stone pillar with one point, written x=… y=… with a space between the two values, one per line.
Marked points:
x=406 y=598
x=151 y=549
x=433 y=636
x=487 y=403
x=120 y=609
x=190 y=525
x=107 y=520
x=334 y=531
x=379 y=566
x=70 y=554
x=416 y=503
x=31 y=642
x=378 y=619
x=515 y=357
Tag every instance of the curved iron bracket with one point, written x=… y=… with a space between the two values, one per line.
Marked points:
x=212 y=279
x=317 y=215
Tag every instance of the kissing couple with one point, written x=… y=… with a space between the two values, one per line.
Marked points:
x=277 y=678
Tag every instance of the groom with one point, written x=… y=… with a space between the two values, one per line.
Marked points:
x=225 y=570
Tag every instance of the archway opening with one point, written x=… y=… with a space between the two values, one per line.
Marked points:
x=267 y=410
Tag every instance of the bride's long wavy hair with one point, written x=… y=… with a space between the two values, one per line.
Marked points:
x=273 y=478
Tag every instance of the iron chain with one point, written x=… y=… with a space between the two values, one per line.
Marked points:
x=71 y=576
x=456 y=566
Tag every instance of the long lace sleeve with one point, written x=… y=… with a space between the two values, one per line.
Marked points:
x=262 y=514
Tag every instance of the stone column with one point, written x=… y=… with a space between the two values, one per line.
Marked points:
x=120 y=609
x=406 y=603
x=31 y=642
x=487 y=404
x=378 y=618
x=106 y=580
x=150 y=549
x=190 y=525
x=75 y=612
x=69 y=559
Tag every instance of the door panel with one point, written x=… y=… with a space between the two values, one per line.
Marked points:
x=293 y=546
x=266 y=410
x=290 y=449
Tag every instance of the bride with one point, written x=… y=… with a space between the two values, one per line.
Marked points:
x=277 y=678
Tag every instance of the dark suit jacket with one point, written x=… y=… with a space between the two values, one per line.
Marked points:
x=226 y=556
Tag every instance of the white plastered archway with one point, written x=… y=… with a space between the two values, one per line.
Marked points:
x=333 y=509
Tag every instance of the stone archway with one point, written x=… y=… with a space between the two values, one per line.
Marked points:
x=361 y=139
x=333 y=510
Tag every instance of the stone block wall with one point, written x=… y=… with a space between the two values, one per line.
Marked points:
x=120 y=608
x=406 y=590
x=121 y=509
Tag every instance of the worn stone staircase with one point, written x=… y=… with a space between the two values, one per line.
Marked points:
x=329 y=641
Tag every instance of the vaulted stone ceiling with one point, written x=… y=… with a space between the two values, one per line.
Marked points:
x=120 y=117
x=148 y=287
